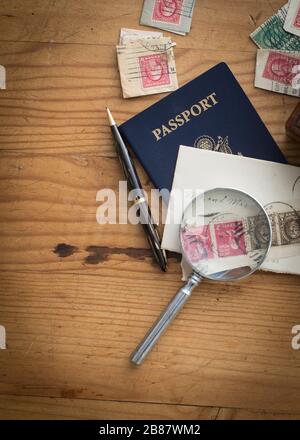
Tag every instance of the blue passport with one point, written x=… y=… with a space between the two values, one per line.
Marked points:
x=212 y=112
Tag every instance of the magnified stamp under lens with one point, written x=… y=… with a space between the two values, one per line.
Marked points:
x=224 y=230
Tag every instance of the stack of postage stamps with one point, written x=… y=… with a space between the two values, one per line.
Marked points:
x=146 y=63
x=278 y=56
x=146 y=59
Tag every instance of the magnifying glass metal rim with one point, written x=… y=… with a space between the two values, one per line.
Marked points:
x=202 y=194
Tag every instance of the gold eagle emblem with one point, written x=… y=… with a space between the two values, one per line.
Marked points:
x=206 y=142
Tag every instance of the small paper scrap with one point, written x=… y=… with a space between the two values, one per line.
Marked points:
x=127 y=35
x=2 y=77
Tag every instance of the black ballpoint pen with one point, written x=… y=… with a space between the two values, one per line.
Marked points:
x=139 y=198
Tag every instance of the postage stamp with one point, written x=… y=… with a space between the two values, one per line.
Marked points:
x=289 y=225
x=297 y=19
x=272 y=35
x=280 y=67
x=154 y=70
x=197 y=243
x=230 y=239
x=167 y=11
x=258 y=232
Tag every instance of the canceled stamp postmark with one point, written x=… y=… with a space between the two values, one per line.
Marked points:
x=230 y=239
x=167 y=11
x=154 y=70
x=279 y=67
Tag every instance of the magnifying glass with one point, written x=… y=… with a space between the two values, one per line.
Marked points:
x=225 y=235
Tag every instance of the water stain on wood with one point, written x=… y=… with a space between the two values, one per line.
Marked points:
x=65 y=250
x=98 y=254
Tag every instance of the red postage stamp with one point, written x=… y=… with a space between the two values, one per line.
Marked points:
x=297 y=19
x=279 y=67
x=154 y=70
x=230 y=238
x=167 y=11
x=197 y=243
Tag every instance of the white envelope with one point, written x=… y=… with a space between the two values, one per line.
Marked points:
x=198 y=170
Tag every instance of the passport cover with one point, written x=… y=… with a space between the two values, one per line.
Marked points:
x=210 y=112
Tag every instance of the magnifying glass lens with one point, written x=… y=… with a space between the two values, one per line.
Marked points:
x=225 y=234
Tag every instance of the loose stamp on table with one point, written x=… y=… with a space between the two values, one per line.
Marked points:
x=170 y=15
x=147 y=66
x=278 y=71
x=166 y=11
x=272 y=35
x=279 y=67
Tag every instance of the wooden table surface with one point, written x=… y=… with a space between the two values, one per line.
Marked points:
x=73 y=314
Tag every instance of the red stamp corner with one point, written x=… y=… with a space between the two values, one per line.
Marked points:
x=197 y=243
x=297 y=19
x=167 y=11
x=154 y=70
x=230 y=238
x=279 y=68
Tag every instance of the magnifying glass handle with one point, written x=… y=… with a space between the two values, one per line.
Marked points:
x=165 y=319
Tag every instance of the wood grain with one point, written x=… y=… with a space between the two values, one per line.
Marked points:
x=61 y=408
x=55 y=197
x=76 y=297
x=238 y=414
x=70 y=335
x=27 y=407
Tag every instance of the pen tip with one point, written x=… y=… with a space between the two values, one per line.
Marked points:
x=110 y=118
